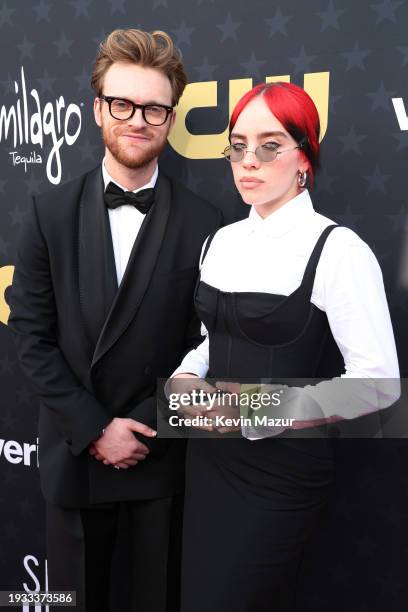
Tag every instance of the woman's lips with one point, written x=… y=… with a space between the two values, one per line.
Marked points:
x=249 y=182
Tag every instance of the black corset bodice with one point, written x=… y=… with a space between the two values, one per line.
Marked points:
x=263 y=335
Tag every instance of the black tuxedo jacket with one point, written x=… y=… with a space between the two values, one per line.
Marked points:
x=94 y=351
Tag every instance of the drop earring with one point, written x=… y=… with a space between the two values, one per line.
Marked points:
x=302 y=177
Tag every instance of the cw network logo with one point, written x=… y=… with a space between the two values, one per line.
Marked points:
x=14 y=452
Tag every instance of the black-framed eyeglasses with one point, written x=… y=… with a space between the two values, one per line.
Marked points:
x=267 y=152
x=123 y=110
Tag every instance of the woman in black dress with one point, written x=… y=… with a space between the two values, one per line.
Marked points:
x=278 y=291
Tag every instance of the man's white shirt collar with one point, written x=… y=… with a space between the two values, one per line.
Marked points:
x=108 y=179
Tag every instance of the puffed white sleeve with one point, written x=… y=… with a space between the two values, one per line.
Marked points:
x=352 y=293
x=349 y=287
x=195 y=362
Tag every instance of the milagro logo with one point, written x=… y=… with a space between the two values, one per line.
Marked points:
x=14 y=452
x=29 y=122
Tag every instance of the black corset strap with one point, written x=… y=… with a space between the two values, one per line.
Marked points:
x=310 y=271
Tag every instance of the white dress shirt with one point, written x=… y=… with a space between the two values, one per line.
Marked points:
x=125 y=223
x=270 y=256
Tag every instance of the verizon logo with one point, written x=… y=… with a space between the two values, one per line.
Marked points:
x=14 y=452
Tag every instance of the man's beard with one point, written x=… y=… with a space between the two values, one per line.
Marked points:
x=132 y=157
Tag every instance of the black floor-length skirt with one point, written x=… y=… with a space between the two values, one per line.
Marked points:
x=250 y=507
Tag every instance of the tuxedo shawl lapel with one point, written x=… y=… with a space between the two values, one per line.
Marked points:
x=96 y=261
x=138 y=271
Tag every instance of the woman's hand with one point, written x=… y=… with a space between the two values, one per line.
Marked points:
x=185 y=384
x=226 y=407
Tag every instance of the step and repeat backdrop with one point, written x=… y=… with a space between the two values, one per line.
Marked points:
x=352 y=57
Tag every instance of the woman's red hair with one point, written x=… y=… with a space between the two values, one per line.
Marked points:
x=295 y=110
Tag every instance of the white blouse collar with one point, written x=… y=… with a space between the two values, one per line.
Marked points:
x=283 y=220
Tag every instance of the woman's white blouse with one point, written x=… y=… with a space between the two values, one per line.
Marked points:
x=270 y=256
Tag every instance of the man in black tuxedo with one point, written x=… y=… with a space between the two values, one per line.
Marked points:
x=101 y=306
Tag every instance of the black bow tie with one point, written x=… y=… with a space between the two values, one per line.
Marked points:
x=142 y=200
